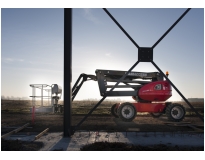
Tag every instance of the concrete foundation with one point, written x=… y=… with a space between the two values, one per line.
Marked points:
x=56 y=141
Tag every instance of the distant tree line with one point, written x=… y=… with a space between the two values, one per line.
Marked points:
x=195 y=99
x=14 y=98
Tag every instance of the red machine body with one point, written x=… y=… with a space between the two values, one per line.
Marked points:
x=155 y=91
x=148 y=107
x=158 y=91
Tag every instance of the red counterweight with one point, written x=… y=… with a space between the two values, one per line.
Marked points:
x=155 y=91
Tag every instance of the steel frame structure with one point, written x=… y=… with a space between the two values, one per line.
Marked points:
x=145 y=54
x=68 y=130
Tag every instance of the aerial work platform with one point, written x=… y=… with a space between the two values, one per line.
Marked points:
x=49 y=97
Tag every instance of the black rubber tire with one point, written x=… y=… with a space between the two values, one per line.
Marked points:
x=114 y=111
x=155 y=115
x=175 y=112
x=61 y=109
x=130 y=110
x=55 y=109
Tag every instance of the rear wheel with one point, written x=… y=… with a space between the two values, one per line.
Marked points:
x=155 y=115
x=127 y=112
x=114 y=110
x=175 y=112
x=61 y=108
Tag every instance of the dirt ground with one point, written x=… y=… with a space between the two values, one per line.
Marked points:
x=117 y=146
x=16 y=113
x=143 y=123
x=96 y=122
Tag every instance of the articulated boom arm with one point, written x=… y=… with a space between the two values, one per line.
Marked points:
x=131 y=75
x=104 y=76
x=83 y=77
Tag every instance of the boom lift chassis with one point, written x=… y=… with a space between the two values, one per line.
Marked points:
x=145 y=54
x=147 y=87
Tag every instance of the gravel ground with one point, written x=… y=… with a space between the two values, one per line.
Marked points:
x=106 y=146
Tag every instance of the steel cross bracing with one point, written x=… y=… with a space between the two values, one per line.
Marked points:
x=145 y=54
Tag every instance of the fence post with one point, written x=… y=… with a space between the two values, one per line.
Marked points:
x=33 y=115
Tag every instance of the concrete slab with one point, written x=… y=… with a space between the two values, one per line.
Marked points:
x=56 y=141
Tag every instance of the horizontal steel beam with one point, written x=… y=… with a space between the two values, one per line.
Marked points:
x=124 y=86
x=128 y=81
x=121 y=93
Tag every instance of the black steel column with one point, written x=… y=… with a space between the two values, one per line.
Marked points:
x=67 y=71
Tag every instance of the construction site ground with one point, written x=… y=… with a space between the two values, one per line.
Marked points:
x=100 y=128
x=143 y=125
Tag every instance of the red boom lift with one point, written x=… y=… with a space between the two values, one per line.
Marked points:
x=150 y=91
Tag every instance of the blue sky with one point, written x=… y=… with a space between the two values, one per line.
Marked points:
x=32 y=47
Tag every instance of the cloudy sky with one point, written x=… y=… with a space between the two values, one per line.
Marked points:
x=32 y=47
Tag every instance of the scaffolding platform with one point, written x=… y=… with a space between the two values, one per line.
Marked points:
x=50 y=93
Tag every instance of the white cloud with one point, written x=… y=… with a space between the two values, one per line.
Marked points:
x=9 y=60
x=33 y=69
x=20 y=60
x=108 y=54
x=89 y=16
x=45 y=63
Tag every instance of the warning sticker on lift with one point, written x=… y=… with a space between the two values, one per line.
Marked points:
x=137 y=74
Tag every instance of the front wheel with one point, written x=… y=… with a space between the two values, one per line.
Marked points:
x=127 y=112
x=114 y=110
x=175 y=112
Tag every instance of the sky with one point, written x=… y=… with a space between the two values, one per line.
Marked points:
x=32 y=47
